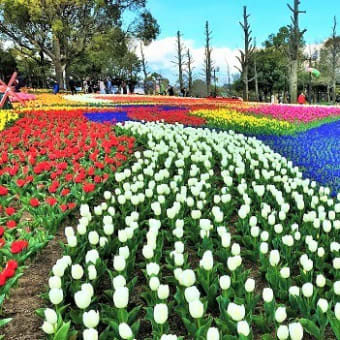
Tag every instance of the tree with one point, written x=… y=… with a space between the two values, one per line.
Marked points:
x=333 y=45
x=256 y=75
x=295 y=38
x=190 y=69
x=180 y=59
x=198 y=88
x=144 y=68
x=8 y=64
x=62 y=29
x=208 y=57
x=246 y=54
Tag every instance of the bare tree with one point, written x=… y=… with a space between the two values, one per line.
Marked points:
x=190 y=69
x=208 y=59
x=144 y=68
x=180 y=59
x=294 y=47
x=335 y=51
x=246 y=54
x=255 y=74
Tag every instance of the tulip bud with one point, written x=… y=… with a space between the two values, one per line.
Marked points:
x=192 y=294
x=296 y=331
x=90 y=334
x=93 y=237
x=235 y=311
x=92 y=271
x=213 y=334
x=82 y=299
x=196 y=309
x=50 y=316
x=125 y=331
x=48 y=328
x=54 y=282
x=108 y=229
x=282 y=332
x=188 y=278
x=147 y=252
x=267 y=295
x=243 y=328
x=118 y=281
x=163 y=292
x=320 y=281
x=121 y=297
x=225 y=282
x=154 y=283
x=56 y=295
x=249 y=285
x=119 y=263
x=91 y=319
x=77 y=271
x=323 y=305
x=280 y=314
x=160 y=313
x=307 y=289
x=337 y=311
x=336 y=287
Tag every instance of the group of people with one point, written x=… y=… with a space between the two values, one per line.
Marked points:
x=104 y=86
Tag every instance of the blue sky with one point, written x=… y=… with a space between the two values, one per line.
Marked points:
x=267 y=16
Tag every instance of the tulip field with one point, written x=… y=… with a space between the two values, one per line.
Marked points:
x=181 y=218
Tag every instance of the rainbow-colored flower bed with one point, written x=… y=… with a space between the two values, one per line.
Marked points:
x=192 y=211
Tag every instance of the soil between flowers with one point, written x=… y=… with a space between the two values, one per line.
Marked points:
x=25 y=299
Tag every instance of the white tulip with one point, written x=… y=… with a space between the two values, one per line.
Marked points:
x=160 y=313
x=307 y=289
x=88 y=288
x=92 y=271
x=188 y=278
x=264 y=248
x=249 y=285
x=91 y=319
x=296 y=331
x=121 y=297
x=267 y=295
x=51 y=316
x=192 y=294
x=56 y=295
x=77 y=271
x=90 y=334
x=154 y=283
x=92 y=256
x=207 y=261
x=213 y=334
x=225 y=282
x=48 y=328
x=280 y=314
x=93 y=237
x=336 y=287
x=54 y=282
x=119 y=263
x=72 y=241
x=285 y=272
x=196 y=309
x=118 y=281
x=152 y=268
x=147 y=252
x=337 y=310
x=235 y=249
x=108 y=229
x=243 y=328
x=236 y=312
x=163 y=292
x=125 y=331
x=82 y=299
x=282 y=332
x=124 y=251
x=274 y=258
x=323 y=305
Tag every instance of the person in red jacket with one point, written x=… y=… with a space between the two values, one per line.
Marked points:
x=302 y=99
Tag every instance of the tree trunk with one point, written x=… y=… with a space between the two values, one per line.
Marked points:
x=334 y=90
x=246 y=84
x=59 y=68
x=293 y=81
x=328 y=94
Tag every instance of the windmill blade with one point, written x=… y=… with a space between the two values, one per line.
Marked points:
x=4 y=98
x=11 y=81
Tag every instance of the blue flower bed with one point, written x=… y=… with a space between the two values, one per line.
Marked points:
x=316 y=152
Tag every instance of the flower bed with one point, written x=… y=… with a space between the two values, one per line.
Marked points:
x=7 y=116
x=214 y=234
x=49 y=164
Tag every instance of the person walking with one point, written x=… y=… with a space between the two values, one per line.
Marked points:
x=72 y=86
x=302 y=99
x=101 y=87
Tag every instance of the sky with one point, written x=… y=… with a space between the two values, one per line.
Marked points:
x=267 y=16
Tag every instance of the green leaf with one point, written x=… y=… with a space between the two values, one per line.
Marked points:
x=4 y=322
x=267 y=337
x=62 y=333
x=335 y=324
x=311 y=328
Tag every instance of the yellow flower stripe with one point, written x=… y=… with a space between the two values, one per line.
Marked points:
x=7 y=116
x=225 y=116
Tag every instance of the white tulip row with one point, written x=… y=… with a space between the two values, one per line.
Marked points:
x=175 y=185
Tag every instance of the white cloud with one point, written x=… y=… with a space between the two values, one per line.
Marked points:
x=160 y=54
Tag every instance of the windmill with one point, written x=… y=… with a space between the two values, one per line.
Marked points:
x=6 y=91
